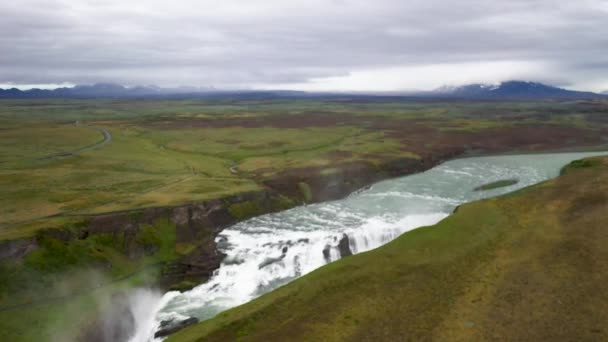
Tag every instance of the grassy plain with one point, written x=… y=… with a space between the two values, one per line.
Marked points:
x=39 y=141
x=529 y=266
x=166 y=153
x=171 y=152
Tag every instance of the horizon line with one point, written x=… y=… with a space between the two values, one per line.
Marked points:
x=202 y=89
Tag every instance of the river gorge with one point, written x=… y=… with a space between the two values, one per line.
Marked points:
x=266 y=252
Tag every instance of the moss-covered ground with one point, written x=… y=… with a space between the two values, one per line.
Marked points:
x=58 y=288
x=497 y=184
x=528 y=266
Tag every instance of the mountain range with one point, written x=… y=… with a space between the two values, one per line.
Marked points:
x=110 y=90
x=512 y=90
x=504 y=90
x=102 y=90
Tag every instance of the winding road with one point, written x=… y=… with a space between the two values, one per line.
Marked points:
x=107 y=138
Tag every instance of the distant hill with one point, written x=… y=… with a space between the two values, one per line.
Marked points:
x=110 y=90
x=511 y=90
x=505 y=90
x=100 y=90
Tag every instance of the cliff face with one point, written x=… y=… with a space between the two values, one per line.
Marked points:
x=180 y=240
x=12 y=249
x=311 y=185
x=197 y=225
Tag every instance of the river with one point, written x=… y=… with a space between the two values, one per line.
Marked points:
x=271 y=250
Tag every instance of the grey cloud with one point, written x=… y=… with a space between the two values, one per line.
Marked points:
x=236 y=44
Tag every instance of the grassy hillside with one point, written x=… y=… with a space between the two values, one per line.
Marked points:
x=529 y=266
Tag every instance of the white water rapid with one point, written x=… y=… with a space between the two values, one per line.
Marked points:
x=271 y=250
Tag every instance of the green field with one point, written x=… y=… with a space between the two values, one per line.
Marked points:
x=171 y=152
x=56 y=175
x=529 y=266
x=147 y=164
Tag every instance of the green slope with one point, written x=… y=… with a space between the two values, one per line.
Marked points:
x=528 y=266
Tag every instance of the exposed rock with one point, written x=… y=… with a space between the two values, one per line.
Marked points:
x=344 y=246
x=59 y=234
x=222 y=243
x=83 y=234
x=183 y=286
x=16 y=248
x=327 y=253
x=171 y=326
x=348 y=178
x=270 y=261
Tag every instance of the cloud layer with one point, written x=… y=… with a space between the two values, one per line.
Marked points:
x=304 y=44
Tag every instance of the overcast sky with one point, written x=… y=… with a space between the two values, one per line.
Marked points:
x=351 y=45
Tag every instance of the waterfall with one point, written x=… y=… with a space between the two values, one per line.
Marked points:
x=145 y=304
x=259 y=262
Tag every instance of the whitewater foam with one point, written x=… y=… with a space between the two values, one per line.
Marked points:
x=145 y=305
